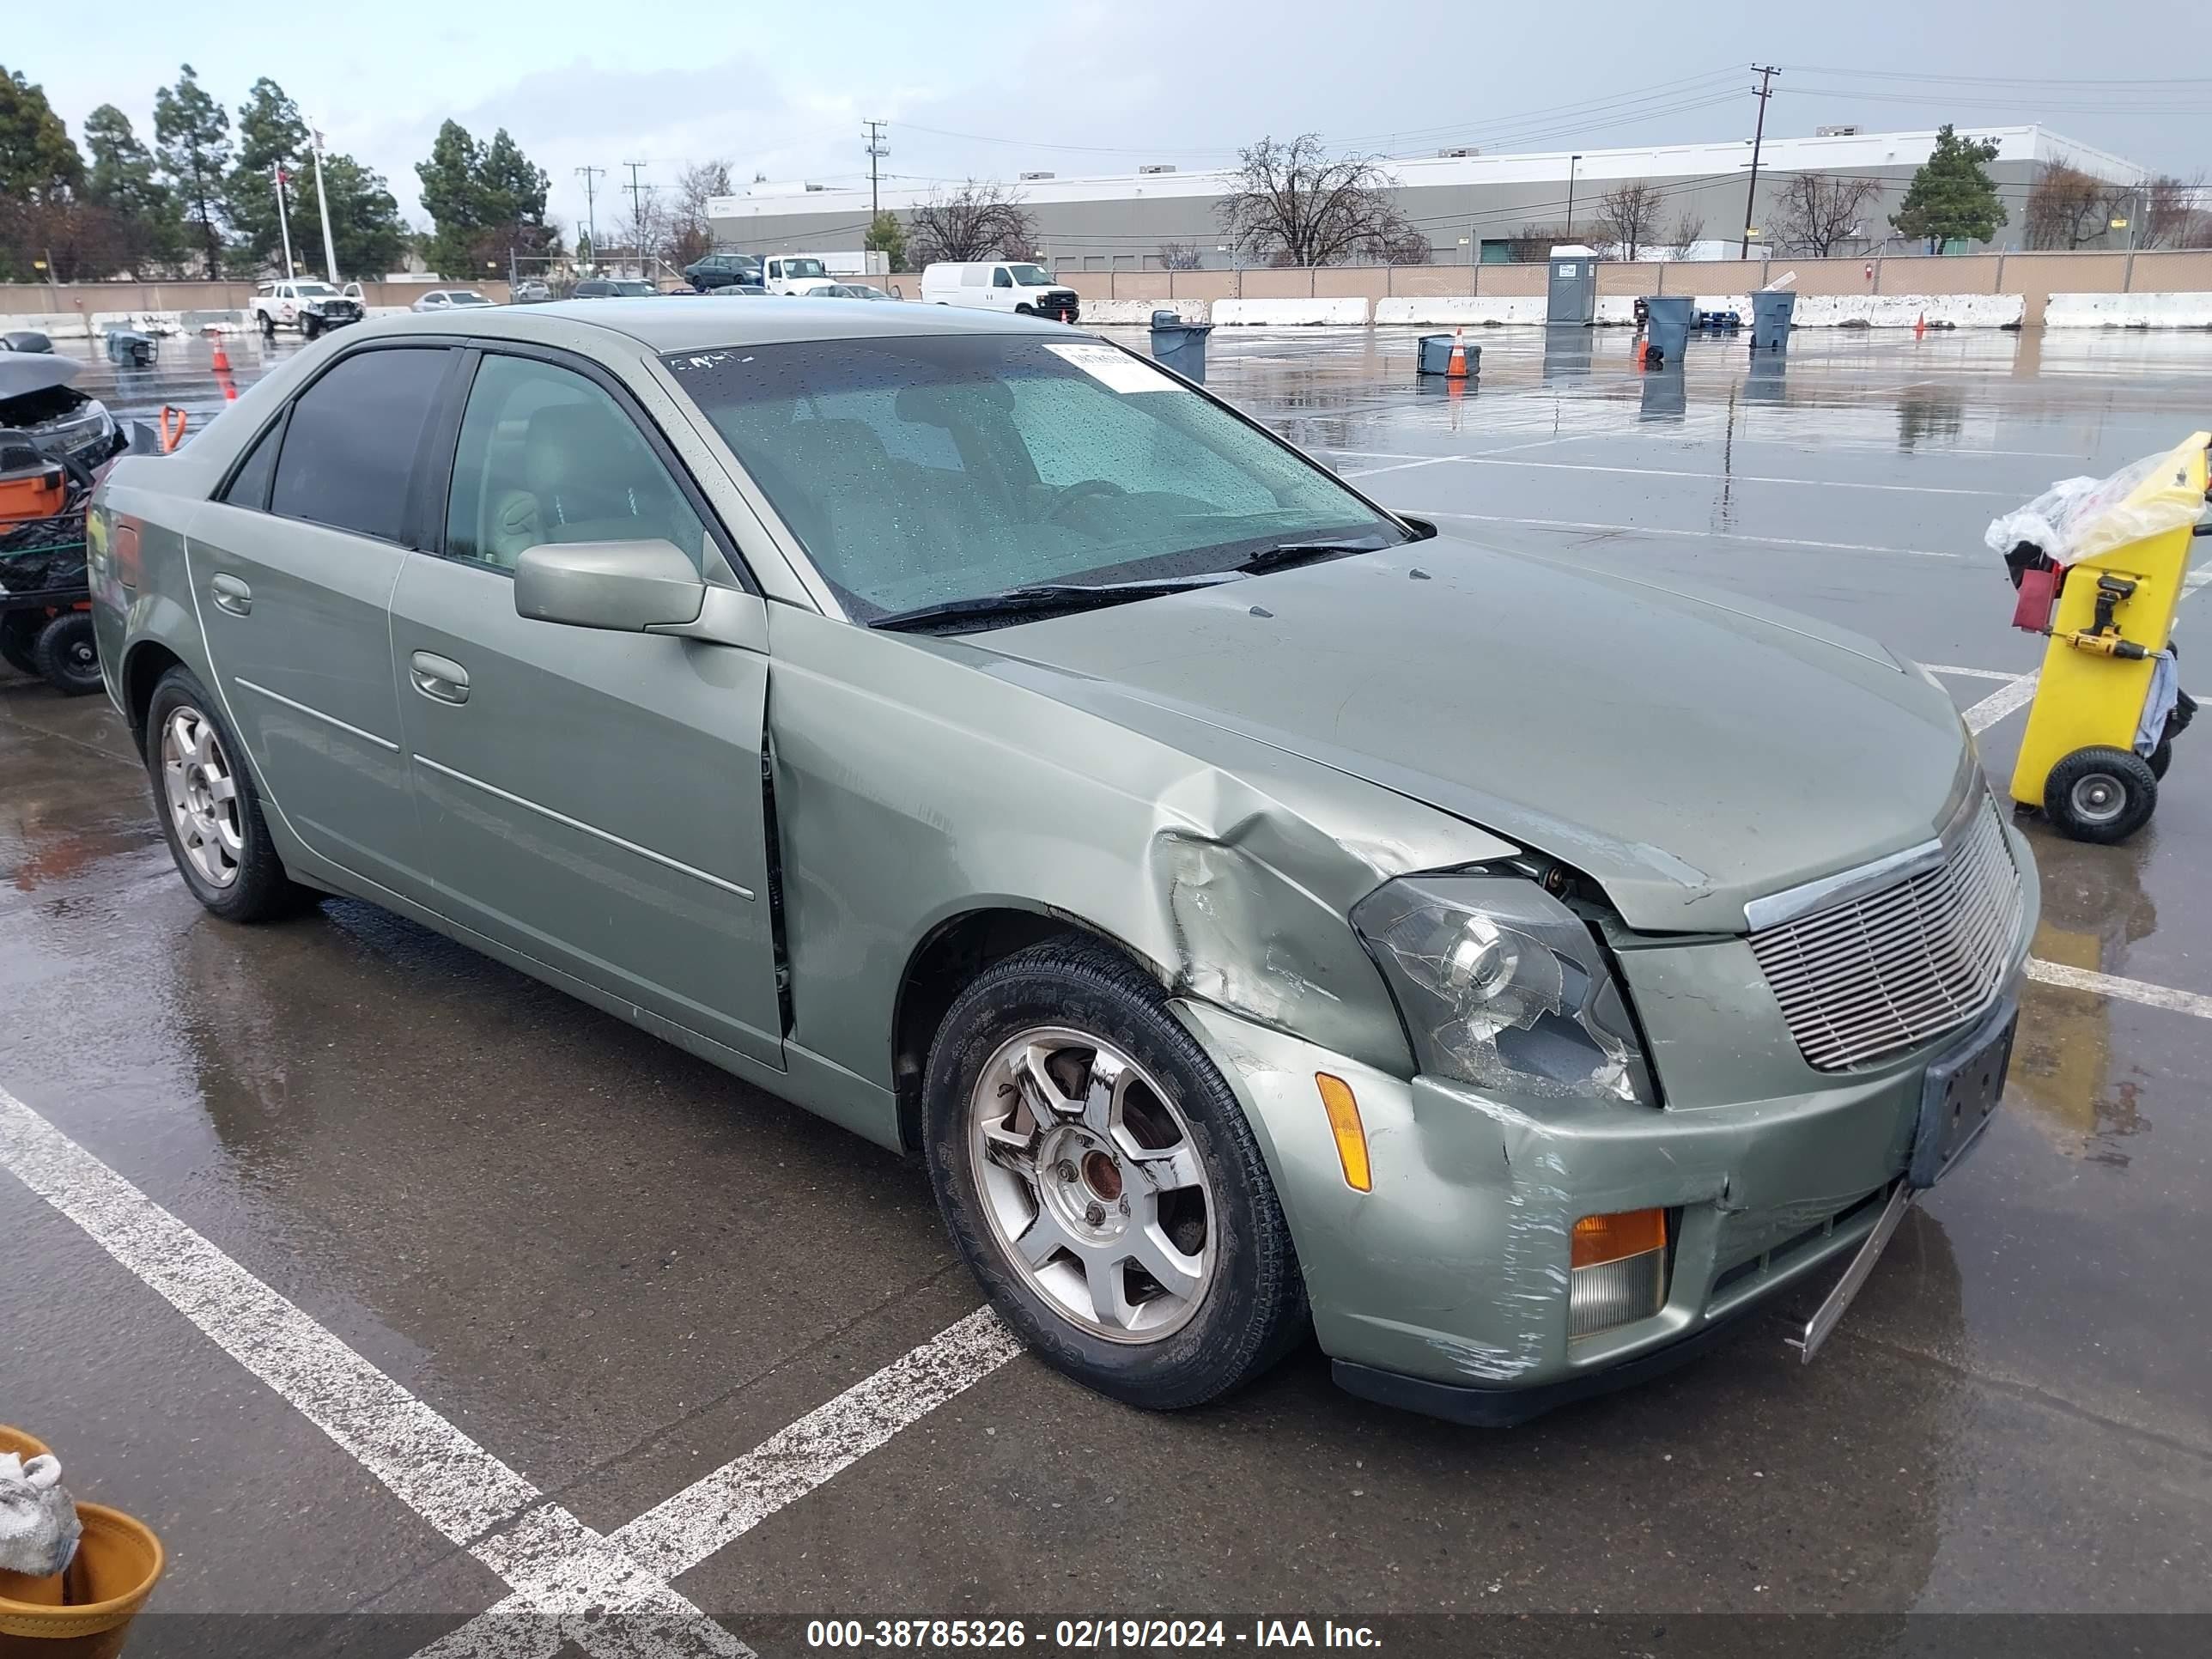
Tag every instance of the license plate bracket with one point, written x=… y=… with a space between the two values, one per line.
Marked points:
x=1959 y=1095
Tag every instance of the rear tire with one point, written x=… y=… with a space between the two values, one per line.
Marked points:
x=66 y=654
x=210 y=807
x=1099 y=1177
x=2100 y=794
x=268 y=326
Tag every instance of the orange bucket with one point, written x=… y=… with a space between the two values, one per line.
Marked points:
x=85 y=1611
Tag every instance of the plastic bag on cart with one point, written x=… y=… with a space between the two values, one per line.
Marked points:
x=2076 y=518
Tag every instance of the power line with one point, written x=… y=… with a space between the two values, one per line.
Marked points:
x=1765 y=91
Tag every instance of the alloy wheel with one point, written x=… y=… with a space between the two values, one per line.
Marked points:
x=1092 y=1184
x=202 y=796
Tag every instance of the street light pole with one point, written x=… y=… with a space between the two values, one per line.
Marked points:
x=1573 y=161
x=283 y=224
x=323 y=205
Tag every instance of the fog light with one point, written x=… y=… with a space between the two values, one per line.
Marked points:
x=1619 y=1273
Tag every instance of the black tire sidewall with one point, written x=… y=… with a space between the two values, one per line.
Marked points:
x=2135 y=776
x=263 y=888
x=1253 y=1309
x=54 y=653
x=19 y=639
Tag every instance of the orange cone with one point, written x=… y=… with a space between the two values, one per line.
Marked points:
x=221 y=358
x=1920 y=328
x=1456 y=367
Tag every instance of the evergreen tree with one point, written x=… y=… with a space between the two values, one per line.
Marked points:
x=149 y=234
x=40 y=173
x=270 y=157
x=365 y=227
x=1951 y=198
x=191 y=136
x=888 y=237
x=483 y=199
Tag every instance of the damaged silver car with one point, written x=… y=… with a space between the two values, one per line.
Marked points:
x=1263 y=914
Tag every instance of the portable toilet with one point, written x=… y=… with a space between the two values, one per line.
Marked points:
x=1571 y=296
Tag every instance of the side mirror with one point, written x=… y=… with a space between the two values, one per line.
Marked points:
x=627 y=586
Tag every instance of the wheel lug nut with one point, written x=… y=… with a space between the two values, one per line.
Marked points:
x=1064 y=1170
x=1095 y=1213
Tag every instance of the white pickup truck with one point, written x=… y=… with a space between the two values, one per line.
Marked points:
x=309 y=307
x=795 y=273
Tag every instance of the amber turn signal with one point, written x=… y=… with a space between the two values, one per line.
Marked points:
x=1601 y=1238
x=1336 y=1099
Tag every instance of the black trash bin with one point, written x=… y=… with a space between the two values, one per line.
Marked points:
x=1179 y=345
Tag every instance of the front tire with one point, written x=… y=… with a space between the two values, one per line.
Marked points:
x=209 y=809
x=1099 y=1178
x=2100 y=794
x=66 y=653
x=310 y=326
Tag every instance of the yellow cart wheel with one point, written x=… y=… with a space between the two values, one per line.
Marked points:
x=2100 y=794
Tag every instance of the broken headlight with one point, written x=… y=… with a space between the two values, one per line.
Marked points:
x=1502 y=986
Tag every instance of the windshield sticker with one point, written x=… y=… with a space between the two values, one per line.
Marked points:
x=1112 y=368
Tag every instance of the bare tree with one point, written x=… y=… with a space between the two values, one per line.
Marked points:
x=690 y=234
x=1402 y=242
x=1179 y=255
x=1293 y=204
x=2067 y=207
x=1689 y=230
x=1816 y=213
x=2174 y=213
x=1533 y=244
x=1628 y=218
x=976 y=222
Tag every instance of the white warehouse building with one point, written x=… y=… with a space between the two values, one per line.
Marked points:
x=1469 y=205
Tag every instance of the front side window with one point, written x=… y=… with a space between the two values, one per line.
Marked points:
x=348 y=453
x=1001 y=278
x=923 y=469
x=546 y=455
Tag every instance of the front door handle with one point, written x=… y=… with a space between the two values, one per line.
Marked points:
x=232 y=595
x=439 y=676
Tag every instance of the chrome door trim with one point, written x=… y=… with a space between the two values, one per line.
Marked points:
x=328 y=719
x=677 y=864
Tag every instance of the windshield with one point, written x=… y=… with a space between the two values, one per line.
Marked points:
x=923 y=469
x=631 y=287
x=314 y=290
x=804 y=268
x=1030 y=276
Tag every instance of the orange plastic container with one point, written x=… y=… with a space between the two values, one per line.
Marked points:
x=85 y=1611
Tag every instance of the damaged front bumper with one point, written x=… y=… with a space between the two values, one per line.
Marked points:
x=1445 y=1287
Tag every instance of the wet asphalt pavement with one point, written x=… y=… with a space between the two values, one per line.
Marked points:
x=615 y=1268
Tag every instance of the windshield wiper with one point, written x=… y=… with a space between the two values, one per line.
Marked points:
x=1040 y=599
x=1283 y=555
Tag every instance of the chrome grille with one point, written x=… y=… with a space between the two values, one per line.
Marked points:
x=1889 y=970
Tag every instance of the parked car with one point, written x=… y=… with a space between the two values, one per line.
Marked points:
x=795 y=273
x=717 y=271
x=852 y=291
x=311 y=307
x=741 y=290
x=1013 y=285
x=1262 y=913
x=449 y=299
x=612 y=288
x=531 y=291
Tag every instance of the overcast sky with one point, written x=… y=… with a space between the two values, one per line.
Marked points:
x=782 y=89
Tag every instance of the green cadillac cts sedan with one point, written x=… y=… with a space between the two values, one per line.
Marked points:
x=1261 y=914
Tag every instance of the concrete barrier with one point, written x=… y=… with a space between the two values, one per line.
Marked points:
x=2128 y=311
x=1107 y=313
x=1904 y=310
x=54 y=325
x=1462 y=310
x=1345 y=312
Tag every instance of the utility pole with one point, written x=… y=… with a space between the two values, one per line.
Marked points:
x=591 y=219
x=1573 y=161
x=637 y=212
x=877 y=150
x=1763 y=91
x=323 y=205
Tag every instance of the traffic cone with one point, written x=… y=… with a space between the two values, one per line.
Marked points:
x=221 y=357
x=1920 y=328
x=1455 y=366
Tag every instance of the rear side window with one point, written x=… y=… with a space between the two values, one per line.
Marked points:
x=249 y=486
x=349 y=447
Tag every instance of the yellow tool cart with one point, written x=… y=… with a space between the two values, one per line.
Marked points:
x=2100 y=565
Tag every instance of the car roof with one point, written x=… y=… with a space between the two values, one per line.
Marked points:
x=666 y=323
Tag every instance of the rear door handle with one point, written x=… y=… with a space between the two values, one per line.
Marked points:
x=231 y=595
x=439 y=676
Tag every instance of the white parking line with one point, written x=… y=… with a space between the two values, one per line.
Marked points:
x=558 y=1566
x=718 y=1509
x=1970 y=674
x=2001 y=702
x=2127 y=990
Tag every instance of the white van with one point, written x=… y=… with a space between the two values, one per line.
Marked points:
x=795 y=273
x=1000 y=285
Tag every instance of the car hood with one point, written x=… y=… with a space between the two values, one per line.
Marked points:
x=1689 y=750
